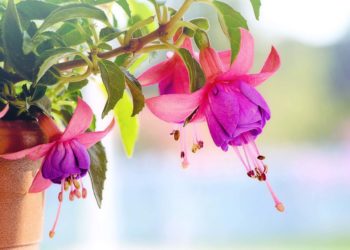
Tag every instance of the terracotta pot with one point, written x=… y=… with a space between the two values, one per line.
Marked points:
x=21 y=213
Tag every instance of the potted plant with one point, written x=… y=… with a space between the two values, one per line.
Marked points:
x=49 y=51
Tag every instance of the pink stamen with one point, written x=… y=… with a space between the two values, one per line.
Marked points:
x=247 y=156
x=241 y=159
x=83 y=189
x=278 y=204
x=184 y=151
x=53 y=229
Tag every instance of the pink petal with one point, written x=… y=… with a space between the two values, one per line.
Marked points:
x=33 y=153
x=4 y=111
x=39 y=183
x=80 y=121
x=210 y=62
x=187 y=44
x=225 y=57
x=156 y=73
x=244 y=60
x=175 y=108
x=91 y=138
x=272 y=64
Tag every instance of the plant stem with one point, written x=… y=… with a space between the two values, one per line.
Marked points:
x=134 y=45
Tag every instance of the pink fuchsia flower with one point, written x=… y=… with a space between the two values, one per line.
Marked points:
x=172 y=77
x=65 y=157
x=234 y=111
x=4 y=111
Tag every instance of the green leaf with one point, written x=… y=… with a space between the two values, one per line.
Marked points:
x=35 y=10
x=231 y=21
x=256 y=7
x=77 y=86
x=73 y=33
x=73 y=11
x=50 y=58
x=136 y=92
x=108 y=33
x=98 y=169
x=201 y=23
x=97 y=2
x=128 y=124
x=124 y=4
x=196 y=74
x=114 y=82
x=105 y=46
x=201 y=39
x=38 y=92
x=13 y=43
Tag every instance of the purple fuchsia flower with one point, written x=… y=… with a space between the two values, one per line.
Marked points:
x=172 y=76
x=234 y=111
x=65 y=157
x=4 y=111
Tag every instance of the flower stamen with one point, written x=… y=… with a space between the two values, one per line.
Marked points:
x=60 y=199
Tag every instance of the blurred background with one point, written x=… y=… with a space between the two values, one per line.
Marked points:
x=150 y=202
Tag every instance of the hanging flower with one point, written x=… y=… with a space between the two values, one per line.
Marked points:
x=4 y=111
x=172 y=77
x=234 y=111
x=65 y=156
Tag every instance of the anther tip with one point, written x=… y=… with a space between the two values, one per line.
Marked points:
x=52 y=234
x=185 y=164
x=280 y=207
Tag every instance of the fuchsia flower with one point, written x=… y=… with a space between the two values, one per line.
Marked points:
x=171 y=74
x=234 y=111
x=65 y=157
x=4 y=111
x=173 y=78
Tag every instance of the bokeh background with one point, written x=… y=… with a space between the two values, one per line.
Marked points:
x=150 y=202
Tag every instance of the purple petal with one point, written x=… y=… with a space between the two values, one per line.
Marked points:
x=218 y=133
x=69 y=165
x=225 y=107
x=255 y=97
x=51 y=166
x=81 y=155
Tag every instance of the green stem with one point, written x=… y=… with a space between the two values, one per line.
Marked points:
x=180 y=13
x=134 y=45
x=135 y=27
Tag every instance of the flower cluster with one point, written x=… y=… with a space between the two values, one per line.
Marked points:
x=65 y=157
x=233 y=109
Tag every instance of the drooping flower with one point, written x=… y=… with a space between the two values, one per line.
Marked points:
x=171 y=74
x=4 y=111
x=65 y=157
x=234 y=111
x=172 y=77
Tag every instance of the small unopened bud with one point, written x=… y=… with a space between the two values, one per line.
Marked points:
x=280 y=207
x=84 y=193
x=60 y=196
x=51 y=234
